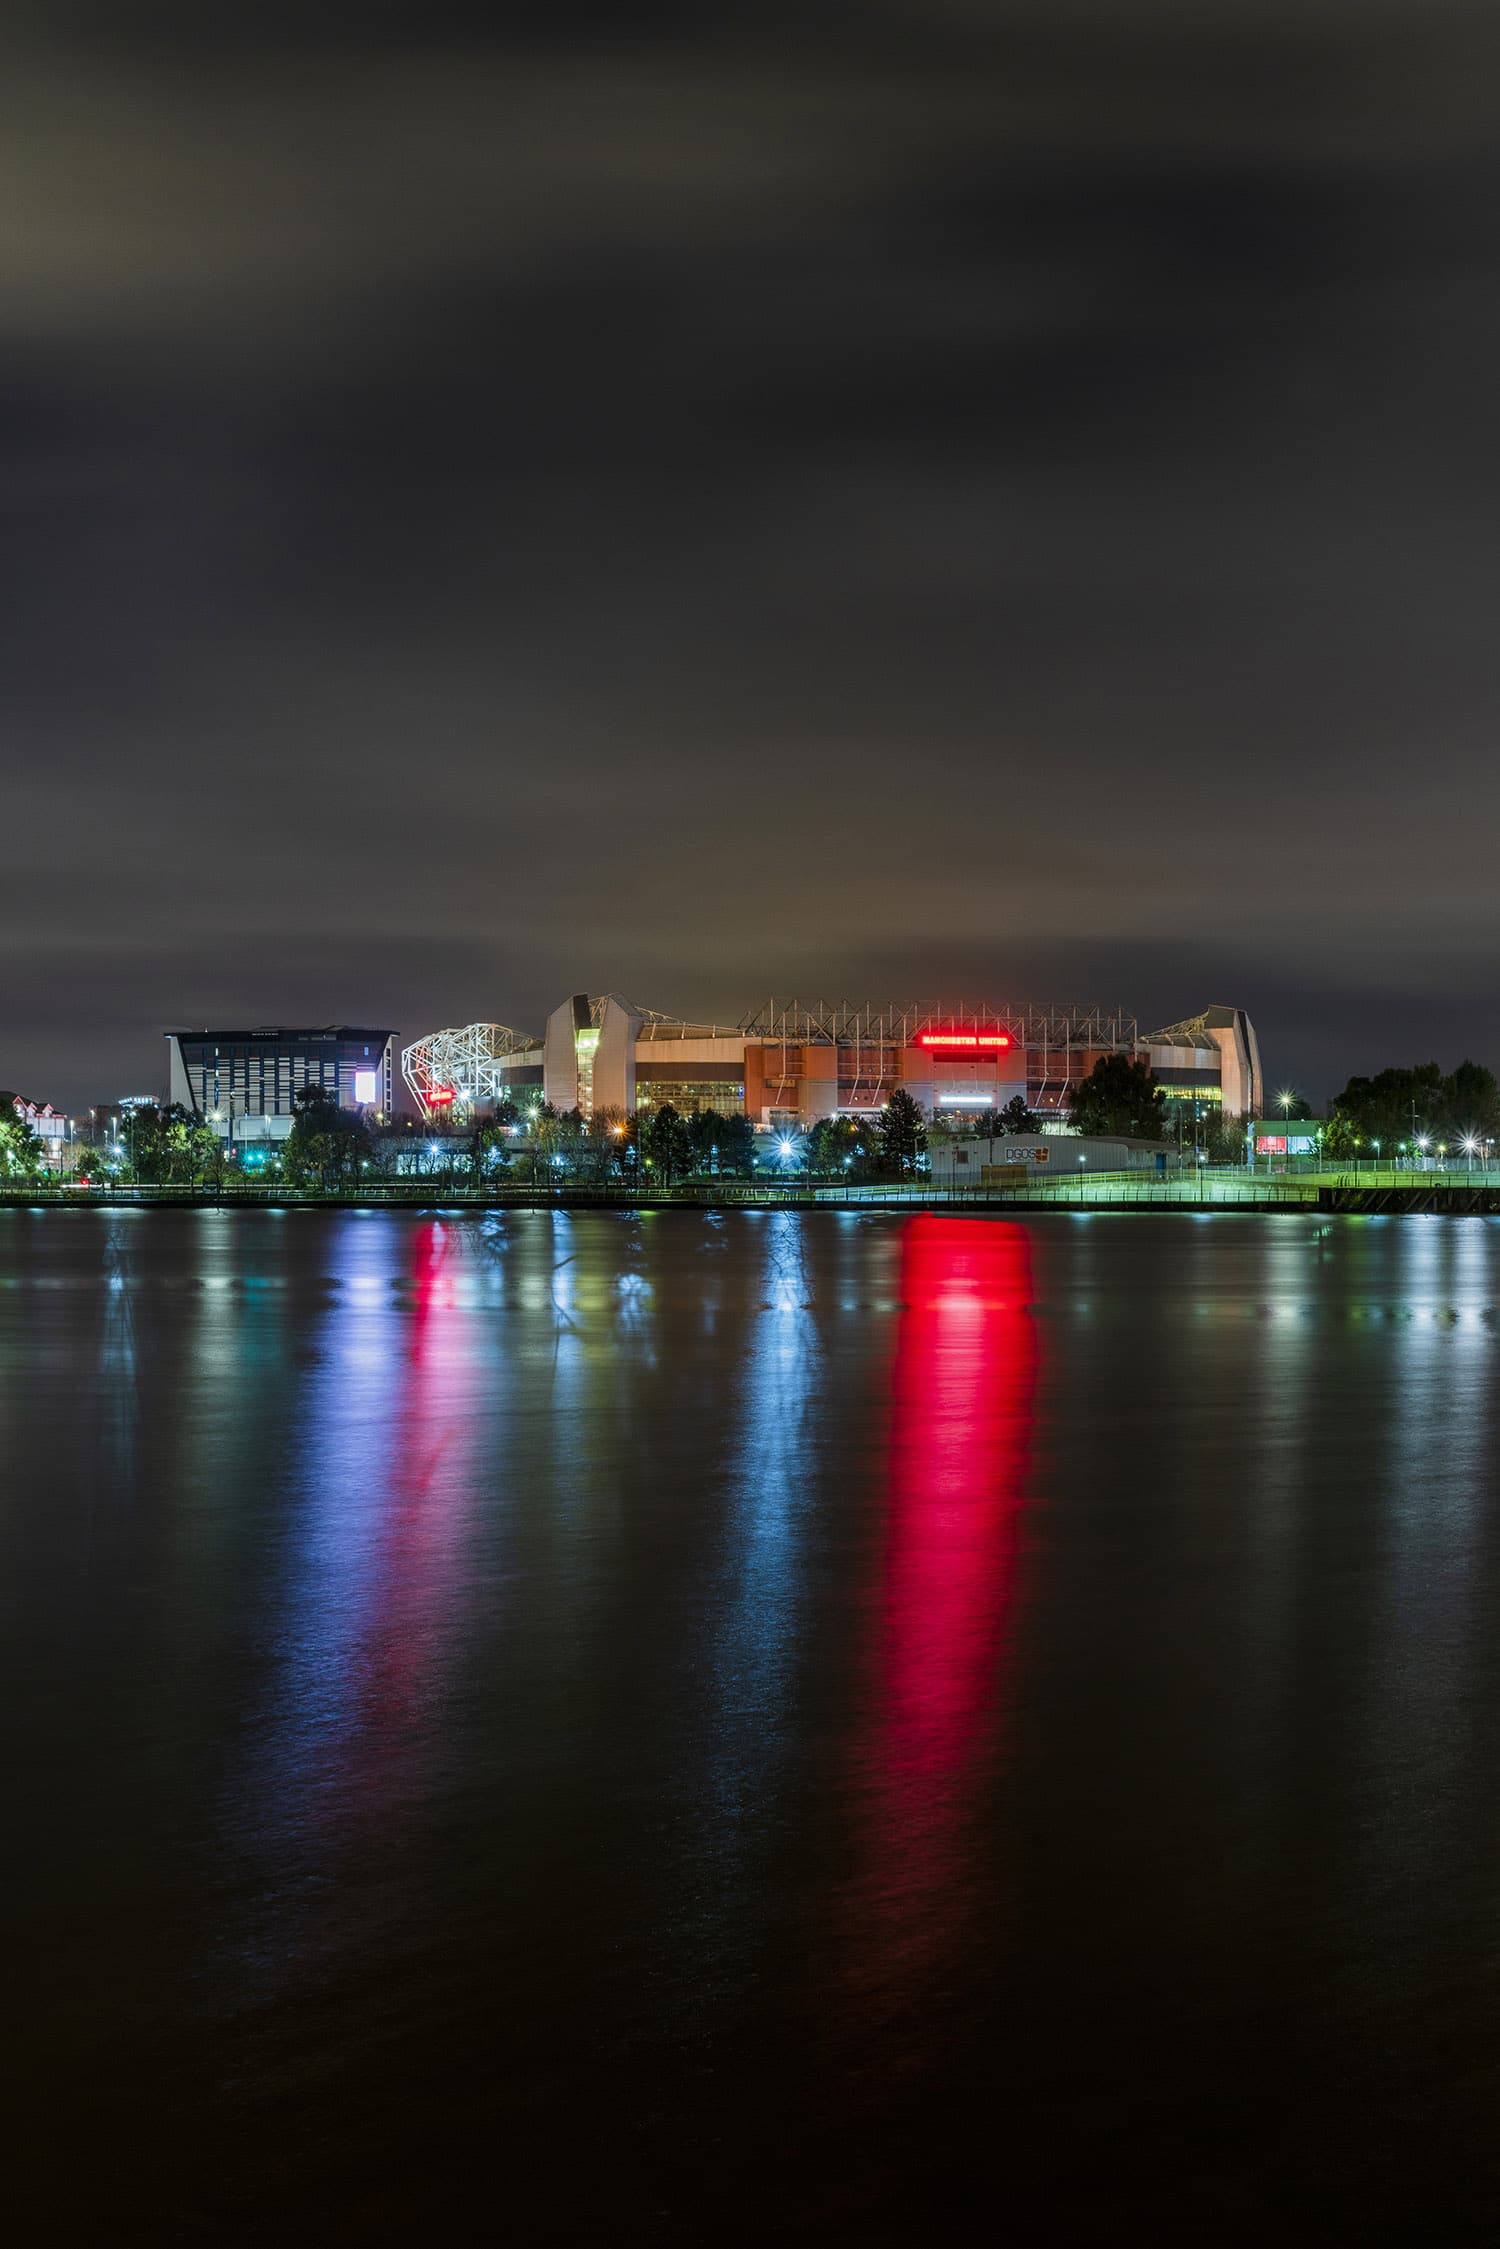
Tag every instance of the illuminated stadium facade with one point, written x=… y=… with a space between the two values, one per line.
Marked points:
x=790 y=1062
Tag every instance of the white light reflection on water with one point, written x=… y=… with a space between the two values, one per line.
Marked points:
x=1430 y=1590
x=398 y=1398
x=772 y=1478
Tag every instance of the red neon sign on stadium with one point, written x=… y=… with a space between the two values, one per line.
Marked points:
x=439 y=1096
x=965 y=1042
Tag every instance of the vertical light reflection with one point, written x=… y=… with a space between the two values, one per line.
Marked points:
x=1430 y=1625
x=776 y=1436
x=962 y=1395
x=392 y=1423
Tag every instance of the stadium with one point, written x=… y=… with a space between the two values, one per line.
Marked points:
x=789 y=1063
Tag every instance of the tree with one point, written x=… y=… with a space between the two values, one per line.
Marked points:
x=1222 y=1136
x=208 y=1155
x=903 y=1134
x=1340 y=1140
x=556 y=1136
x=1120 y=1095
x=839 y=1147
x=1419 y=1101
x=1474 y=1102
x=20 y=1149
x=668 y=1147
x=140 y=1134
x=489 y=1149
x=824 y=1147
x=704 y=1132
x=610 y=1142
x=1396 y=1104
x=161 y=1145
x=1017 y=1120
x=326 y=1143
x=736 y=1146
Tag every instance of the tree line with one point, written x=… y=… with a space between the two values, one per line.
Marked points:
x=1398 y=1106
x=336 y=1149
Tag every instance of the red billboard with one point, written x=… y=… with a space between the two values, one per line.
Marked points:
x=965 y=1042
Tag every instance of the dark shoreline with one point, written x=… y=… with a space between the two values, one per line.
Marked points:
x=1449 y=1195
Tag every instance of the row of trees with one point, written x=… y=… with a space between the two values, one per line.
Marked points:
x=335 y=1149
x=1397 y=1106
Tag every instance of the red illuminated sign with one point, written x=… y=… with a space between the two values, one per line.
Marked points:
x=964 y=1042
x=439 y=1096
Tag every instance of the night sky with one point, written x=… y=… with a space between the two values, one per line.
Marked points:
x=897 y=501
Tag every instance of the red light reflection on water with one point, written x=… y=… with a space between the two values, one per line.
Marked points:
x=961 y=1401
x=426 y=1522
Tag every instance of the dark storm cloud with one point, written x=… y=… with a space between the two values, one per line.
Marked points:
x=494 y=504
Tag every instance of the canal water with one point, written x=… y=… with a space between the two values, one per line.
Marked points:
x=760 y=1725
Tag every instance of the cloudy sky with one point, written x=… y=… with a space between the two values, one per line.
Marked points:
x=904 y=500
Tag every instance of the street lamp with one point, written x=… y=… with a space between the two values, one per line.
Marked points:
x=1286 y=1101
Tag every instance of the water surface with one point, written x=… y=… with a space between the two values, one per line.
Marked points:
x=771 y=1724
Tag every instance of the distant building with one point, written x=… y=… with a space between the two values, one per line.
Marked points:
x=51 y=1127
x=243 y=1082
x=1210 y=1061
x=1274 y=1136
x=980 y=1163
x=789 y=1063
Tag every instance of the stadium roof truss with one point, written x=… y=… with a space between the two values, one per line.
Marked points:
x=1053 y=1028
x=452 y=1070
